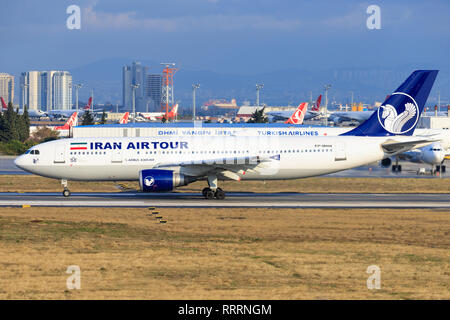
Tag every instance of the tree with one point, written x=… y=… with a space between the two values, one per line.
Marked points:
x=9 y=125
x=258 y=117
x=24 y=125
x=87 y=119
x=43 y=134
x=103 y=120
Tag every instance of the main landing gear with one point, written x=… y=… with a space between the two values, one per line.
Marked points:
x=396 y=167
x=213 y=191
x=66 y=191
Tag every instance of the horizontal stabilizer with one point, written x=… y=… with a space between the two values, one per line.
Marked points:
x=392 y=147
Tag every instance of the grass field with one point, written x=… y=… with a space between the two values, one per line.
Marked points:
x=223 y=253
x=32 y=183
x=226 y=253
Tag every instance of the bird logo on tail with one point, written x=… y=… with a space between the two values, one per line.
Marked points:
x=397 y=123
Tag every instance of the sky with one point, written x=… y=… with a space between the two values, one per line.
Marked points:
x=226 y=36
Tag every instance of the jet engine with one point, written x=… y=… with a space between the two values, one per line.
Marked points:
x=386 y=163
x=155 y=180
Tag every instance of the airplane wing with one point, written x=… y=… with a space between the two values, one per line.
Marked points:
x=392 y=147
x=226 y=167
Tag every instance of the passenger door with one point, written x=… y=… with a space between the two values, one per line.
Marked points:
x=116 y=156
x=340 y=153
x=60 y=154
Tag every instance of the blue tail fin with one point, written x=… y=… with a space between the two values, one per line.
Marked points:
x=399 y=114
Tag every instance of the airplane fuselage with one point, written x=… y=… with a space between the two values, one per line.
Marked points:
x=100 y=159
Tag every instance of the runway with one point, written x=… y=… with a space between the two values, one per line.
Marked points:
x=233 y=200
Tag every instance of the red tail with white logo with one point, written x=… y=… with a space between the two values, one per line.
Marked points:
x=174 y=111
x=299 y=114
x=70 y=123
x=124 y=119
x=4 y=106
x=88 y=106
x=317 y=104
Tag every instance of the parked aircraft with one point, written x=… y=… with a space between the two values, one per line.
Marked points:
x=285 y=115
x=31 y=112
x=154 y=116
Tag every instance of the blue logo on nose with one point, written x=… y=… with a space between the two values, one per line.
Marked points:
x=149 y=181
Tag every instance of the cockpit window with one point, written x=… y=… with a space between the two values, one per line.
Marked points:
x=34 y=152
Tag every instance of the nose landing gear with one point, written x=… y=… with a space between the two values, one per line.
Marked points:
x=66 y=191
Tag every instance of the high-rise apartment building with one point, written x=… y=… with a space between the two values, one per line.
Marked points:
x=7 y=87
x=135 y=74
x=46 y=90
x=153 y=90
x=30 y=87
x=62 y=91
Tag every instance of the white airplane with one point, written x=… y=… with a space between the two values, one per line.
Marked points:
x=154 y=116
x=31 y=113
x=285 y=115
x=67 y=113
x=433 y=154
x=340 y=116
x=161 y=164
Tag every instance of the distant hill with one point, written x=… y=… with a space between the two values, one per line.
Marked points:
x=280 y=88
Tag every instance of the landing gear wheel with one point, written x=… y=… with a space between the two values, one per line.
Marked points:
x=204 y=191
x=220 y=194
x=209 y=194
x=66 y=193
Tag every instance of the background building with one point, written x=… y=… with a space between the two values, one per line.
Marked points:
x=30 y=87
x=134 y=74
x=46 y=90
x=7 y=87
x=62 y=90
x=153 y=90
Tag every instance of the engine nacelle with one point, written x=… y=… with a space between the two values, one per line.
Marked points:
x=386 y=163
x=156 y=180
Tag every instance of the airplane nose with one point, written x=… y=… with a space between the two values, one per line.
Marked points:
x=20 y=162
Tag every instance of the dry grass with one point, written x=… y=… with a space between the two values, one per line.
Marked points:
x=223 y=253
x=32 y=183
